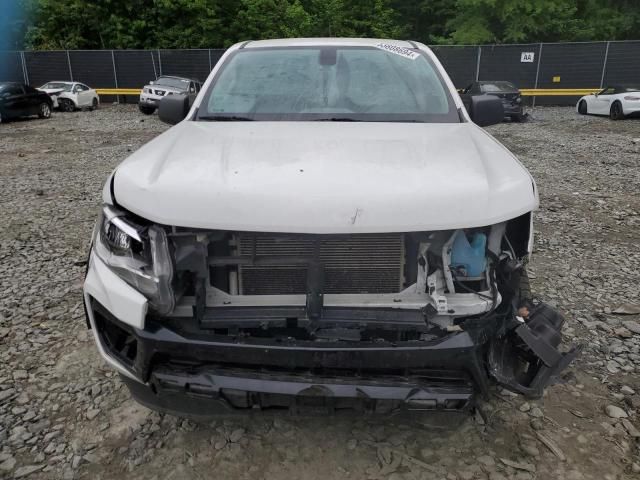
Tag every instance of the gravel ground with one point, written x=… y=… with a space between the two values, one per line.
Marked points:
x=64 y=414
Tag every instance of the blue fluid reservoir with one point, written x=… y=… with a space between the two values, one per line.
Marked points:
x=469 y=258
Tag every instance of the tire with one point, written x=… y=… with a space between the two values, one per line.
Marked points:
x=146 y=110
x=44 y=110
x=582 y=107
x=616 y=111
x=94 y=104
x=66 y=105
x=518 y=117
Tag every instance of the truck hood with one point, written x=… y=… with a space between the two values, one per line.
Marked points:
x=324 y=177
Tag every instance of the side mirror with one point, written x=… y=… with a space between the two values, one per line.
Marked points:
x=151 y=82
x=173 y=108
x=484 y=110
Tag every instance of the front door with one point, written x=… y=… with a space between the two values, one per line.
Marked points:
x=602 y=101
x=15 y=101
x=84 y=95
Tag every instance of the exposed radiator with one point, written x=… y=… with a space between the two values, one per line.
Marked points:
x=366 y=263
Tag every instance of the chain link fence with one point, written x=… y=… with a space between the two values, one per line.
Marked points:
x=549 y=73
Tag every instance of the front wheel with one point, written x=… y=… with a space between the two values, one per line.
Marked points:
x=146 y=110
x=616 y=112
x=44 y=110
x=66 y=105
x=582 y=107
x=94 y=104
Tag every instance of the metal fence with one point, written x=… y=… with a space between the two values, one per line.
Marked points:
x=548 y=73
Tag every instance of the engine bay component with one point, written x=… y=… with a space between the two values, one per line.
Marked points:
x=469 y=258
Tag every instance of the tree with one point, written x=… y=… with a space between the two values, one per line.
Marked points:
x=257 y=19
x=60 y=24
x=512 y=21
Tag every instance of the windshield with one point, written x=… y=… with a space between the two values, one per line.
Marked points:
x=328 y=83
x=57 y=86
x=179 y=83
x=498 y=87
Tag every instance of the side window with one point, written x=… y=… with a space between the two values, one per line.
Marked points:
x=608 y=91
x=83 y=87
x=192 y=87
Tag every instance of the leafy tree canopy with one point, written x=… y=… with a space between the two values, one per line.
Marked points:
x=89 y=24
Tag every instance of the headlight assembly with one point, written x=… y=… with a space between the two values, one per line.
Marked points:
x=139 y=254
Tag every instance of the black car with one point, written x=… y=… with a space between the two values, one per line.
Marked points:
x=507 y=91
x=19 y=100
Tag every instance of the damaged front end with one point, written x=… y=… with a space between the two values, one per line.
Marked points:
x=378 y=322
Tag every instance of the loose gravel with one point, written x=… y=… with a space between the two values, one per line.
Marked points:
x=65 y=415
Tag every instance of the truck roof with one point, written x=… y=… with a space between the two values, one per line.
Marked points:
x=301 y=42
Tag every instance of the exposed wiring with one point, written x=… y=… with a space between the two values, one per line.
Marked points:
x=494 y=288
x=513 y=252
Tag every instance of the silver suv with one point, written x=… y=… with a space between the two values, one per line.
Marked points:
x=165 y=85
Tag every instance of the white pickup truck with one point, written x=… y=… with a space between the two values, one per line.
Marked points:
x=327 y=226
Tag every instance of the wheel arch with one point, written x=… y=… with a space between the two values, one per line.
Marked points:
x=586 y=104
x=621 y=114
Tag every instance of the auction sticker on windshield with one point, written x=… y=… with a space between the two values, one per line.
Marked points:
x=403 y=52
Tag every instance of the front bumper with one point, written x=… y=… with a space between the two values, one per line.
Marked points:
x=147 y=101
x=510 y=109
x=181 y=366
x=175 y=367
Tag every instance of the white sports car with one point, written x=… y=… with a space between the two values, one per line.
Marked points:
x=69 y=96
x=618 y=102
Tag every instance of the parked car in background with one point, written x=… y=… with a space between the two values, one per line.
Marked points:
x=69 y=96
x=166 y=85
x=325 y=227
x=616 y=101
x=20 y=100
x=506 y=91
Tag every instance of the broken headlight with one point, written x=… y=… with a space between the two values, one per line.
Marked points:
x=139 y=254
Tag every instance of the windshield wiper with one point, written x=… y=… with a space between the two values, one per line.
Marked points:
x=224 y=118
x=336 y=119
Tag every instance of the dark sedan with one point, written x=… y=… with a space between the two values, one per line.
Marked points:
x=19 y=100
x=507 y=91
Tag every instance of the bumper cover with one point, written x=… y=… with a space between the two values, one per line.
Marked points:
x=510 y=109
x=170 y=370
x=210 y=391
x=149 y=102
x=182 y=366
